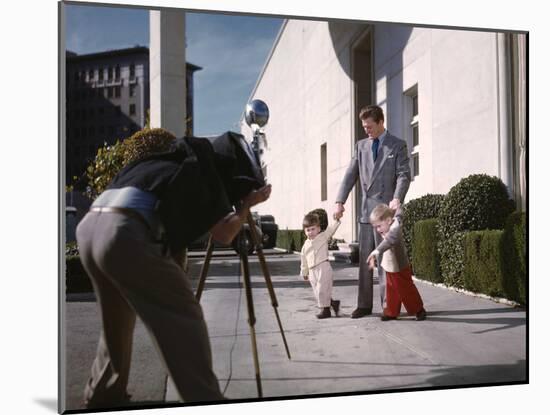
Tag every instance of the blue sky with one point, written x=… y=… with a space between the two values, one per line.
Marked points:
x=231 y=50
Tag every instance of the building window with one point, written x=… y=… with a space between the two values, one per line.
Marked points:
x=117 y=91
x=132 y=109
x=110 y=73
x=132 y=71
x=91 y=75
x=416 y=167
x=324 y=172
x=412 y=128
x=117 y=73
x=132 y=90
x=100 y=72
x=110 y=92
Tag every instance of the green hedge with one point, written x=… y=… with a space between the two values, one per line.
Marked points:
x=477 y=202
x=483 y=264
x=514 y=242
x=290 y=239
x=75 y=276
x=495 y=260
x=425 y=257
x=452 y=265
x=425 y=207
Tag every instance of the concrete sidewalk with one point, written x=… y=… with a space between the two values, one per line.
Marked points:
x=465 y=340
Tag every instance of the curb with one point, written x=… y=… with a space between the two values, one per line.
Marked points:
x=499 y=300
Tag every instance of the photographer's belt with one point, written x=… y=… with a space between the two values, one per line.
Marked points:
x=125 y=211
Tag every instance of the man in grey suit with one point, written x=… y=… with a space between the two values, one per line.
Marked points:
x=381 y=163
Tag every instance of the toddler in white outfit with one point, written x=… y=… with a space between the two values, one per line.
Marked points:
x=315 y=265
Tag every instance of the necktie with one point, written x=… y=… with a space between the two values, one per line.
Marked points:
x=375 y=143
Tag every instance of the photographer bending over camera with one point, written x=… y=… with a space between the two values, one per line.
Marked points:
x=151 y=210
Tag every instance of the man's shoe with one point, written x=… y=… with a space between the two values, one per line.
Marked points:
x=421 y=315
x=384 y=317
x=361 y=312
x=325 y=313
x=335 y=304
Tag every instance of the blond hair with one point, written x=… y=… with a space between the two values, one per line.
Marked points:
x=381 y=212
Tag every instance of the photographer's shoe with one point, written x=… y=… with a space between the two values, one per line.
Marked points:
x=325 y=313
x=421 y=315
x=335 y=304
x=361 y=312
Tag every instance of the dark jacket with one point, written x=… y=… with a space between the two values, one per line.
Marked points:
x=191 y=195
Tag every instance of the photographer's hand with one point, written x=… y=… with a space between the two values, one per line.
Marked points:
x=226 y=229
x=257 y=196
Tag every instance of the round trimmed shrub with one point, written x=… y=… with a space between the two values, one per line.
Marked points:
x=422 y=208
x=111 y=158
x=477 y=202
x=146 y=142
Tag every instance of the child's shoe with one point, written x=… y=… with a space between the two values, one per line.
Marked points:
x=325 y=313
x=385 y=317
x=335 y=304
x=421 y=315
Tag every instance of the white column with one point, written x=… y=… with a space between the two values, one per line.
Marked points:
x=167 y=70
x=504 y=113
x=522 y=122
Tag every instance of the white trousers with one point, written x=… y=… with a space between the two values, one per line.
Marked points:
x=320 y=278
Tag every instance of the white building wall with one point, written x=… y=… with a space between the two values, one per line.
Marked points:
x=456 y=75
x=310 y=96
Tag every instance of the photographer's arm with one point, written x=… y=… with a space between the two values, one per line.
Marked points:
x=226 y=229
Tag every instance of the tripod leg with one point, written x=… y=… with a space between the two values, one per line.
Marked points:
x=269 y=283
x=251 y=318
x=204 y=269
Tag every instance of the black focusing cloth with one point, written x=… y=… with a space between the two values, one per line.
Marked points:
x=237 y=165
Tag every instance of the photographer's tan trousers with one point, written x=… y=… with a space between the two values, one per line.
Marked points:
x=131 y=276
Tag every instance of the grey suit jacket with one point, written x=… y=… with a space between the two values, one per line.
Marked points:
x=381 y=181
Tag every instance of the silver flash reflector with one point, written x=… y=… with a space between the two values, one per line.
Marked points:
x=257 y=113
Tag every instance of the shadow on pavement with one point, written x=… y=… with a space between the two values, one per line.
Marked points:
x=475 y=375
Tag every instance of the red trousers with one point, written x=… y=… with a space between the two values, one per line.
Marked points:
x=401 y=289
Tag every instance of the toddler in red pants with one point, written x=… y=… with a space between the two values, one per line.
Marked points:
x=399 y=284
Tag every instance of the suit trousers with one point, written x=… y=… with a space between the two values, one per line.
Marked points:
x=320 y=278
x=401 y=289
x=369 y=239
x=130 y=276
